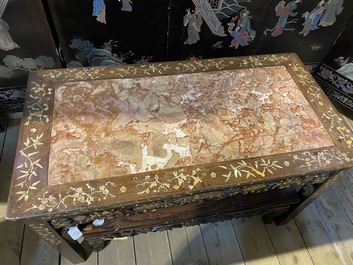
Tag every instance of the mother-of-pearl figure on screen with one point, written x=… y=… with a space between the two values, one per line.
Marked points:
x=6 y=42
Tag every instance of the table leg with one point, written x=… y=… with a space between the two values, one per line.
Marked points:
x=3 y=121
x=296 y=210
x=70 y=249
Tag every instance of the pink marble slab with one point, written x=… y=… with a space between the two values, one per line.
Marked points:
x=115 y=127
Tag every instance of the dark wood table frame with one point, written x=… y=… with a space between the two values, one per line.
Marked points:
x=278 y=185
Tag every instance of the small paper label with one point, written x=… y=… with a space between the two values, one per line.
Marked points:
x=74 y=233
x=98 y=222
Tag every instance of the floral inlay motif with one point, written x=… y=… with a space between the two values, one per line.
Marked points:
x=321 y=159
x=29 y=167
x=38 y=114
x=45 y=233
x=38 y=108
x=75 y=73
x=180 y=179
x=336 y=123
x=162 y=68
x=316 y=94
x=258 y=169
x=302 y=75
x=76 y=196
x=256 y=61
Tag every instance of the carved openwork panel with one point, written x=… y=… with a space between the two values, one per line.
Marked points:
x=133 y=209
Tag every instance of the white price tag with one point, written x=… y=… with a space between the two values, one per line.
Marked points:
x=74 y=233
x=98 y=222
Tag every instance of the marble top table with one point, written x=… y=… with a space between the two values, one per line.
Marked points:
x=107 y=137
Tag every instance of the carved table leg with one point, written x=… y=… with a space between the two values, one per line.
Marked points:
x=313 y=195
x=70 y=249
x=97 y=244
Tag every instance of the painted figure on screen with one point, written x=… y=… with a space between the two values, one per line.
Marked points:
x=99 y=9
x=6 y=42
x=284 y=12
x=323 y=15
x=193 y=21
x=242 y=33
x=312 y=18
x=126 y=5
x=224 y=18
x=333 y=8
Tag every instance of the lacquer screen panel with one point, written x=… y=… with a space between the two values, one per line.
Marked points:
x=26 y=44
x=106 y=32
x=307 y=28
x=214 y=29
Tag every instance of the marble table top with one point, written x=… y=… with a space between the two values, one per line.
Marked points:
x=115 y=127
